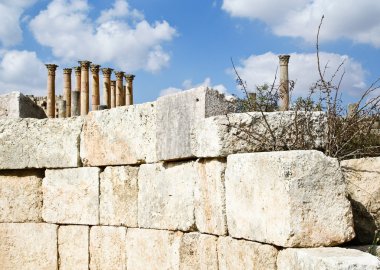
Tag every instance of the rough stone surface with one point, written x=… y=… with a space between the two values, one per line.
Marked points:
x=73 y=247
x=28 y=246
x=241 y=254
x=209 y=196
x=16 y=105
x=118 y=196
x=153 y=249
x=71 y=196
x=326 y=259
x=108 y=248
x=363 y=186
x=166 y=196
x=20 y=196
x=119 y=136
x=178 y=113
x=220 y=136
x=34 y=143
x=290 y=199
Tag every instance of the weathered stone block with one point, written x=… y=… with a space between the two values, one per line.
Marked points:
x=108 y=248
x=241 y=254
x=166 y=196
x=209 y=196
x=71 y=196
x=120 y=136
x=153 y=249
x=372 y=249
x=20 y=196
x=33 y=143
x=73 y=247
x=290 y=199
x=220 y=136
x=363 y=186
x=28 y=246
x=16 y=105
x=178 y=113
x=118 y=196
x=326 y=259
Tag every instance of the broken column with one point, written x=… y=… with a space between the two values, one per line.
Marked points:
x=129 y=90
x=67 y=89
x=84 y=88
x=95 y=87
x=113 y=94
x=107 y=86
x=284 y=82
x=51 y=90
x=119 y=88
x=62 y=108
x=75 y=103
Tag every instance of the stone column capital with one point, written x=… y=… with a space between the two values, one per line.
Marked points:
x=94 y=68
x=129 y=77
x=113 y=83
x=67 y=71
x=84 y=64
x=107 y=72
x=77 y=70
x=284 y=59
x=51 y=68
x=119 y=75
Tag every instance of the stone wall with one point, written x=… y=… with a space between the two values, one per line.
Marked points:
x=101 y=192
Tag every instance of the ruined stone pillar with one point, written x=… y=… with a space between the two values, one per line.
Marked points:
x=84 y=88
x=67 y=89
x=253 y=101
x=129 y=92
x=77 y=82
x=51 y=90
x=113 y=94
x=62 y=108
x=95 y=87
x=75 y=103
x=119 y=88
x=107 y=86
x=284 y=82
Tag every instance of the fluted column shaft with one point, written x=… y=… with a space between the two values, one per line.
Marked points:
x=113 y=94
x=107 y=86
x=95 y=87
x=284 y=82
x=50 y=104
x=84 y=87
x=119 y=88
x=67 y=89
x=129 y=90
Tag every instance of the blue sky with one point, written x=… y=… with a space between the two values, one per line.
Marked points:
x=173 y=45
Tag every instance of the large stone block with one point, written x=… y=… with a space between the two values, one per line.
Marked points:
x=71 y=196
x=33 y=143
x=16 y=105
x=28 y=246
x=153 y=249
x=290 y=199
x=73 y=247
x=120 y=136
x=372 y=249
x=166 y=196
x=108 y=248
x=220 y=136
x=178 y=113
x=326 y=259
x=363 y=186
x=20 y=196
x=241 y=254
x=118 y=196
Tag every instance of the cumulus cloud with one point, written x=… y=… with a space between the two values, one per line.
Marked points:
x=351 y=19
x=120 y=35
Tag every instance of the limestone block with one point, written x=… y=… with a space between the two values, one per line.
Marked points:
x=209 y=196
x=166 y=196
x=220 y=136
x=20 y=196
x=372 y=249
x=34 y=143
x=73 y=247
x=241 y=254
x=198 y=251
x=16 y=105
x=118 y=196
x=178 y=113
x=326 y=259
x=71 y=196
x=363 y=186
x=290 y=199
x=28 y=246
x=153 y=249
x=108 y=248
x=120 y=136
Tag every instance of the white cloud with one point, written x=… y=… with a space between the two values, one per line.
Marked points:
x=66 y=27
x=351 y=19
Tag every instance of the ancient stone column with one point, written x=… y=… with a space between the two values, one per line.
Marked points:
x=129 y=92
x=107 y=86
x=253 y=101
x=95 y=87
x=77 y=82
x=119 y=88
x=51 y=90
x=284 y=82
x=113 y=94
x=67 y=89
x=62 y=108
x=84 y=88
x=75 y=103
